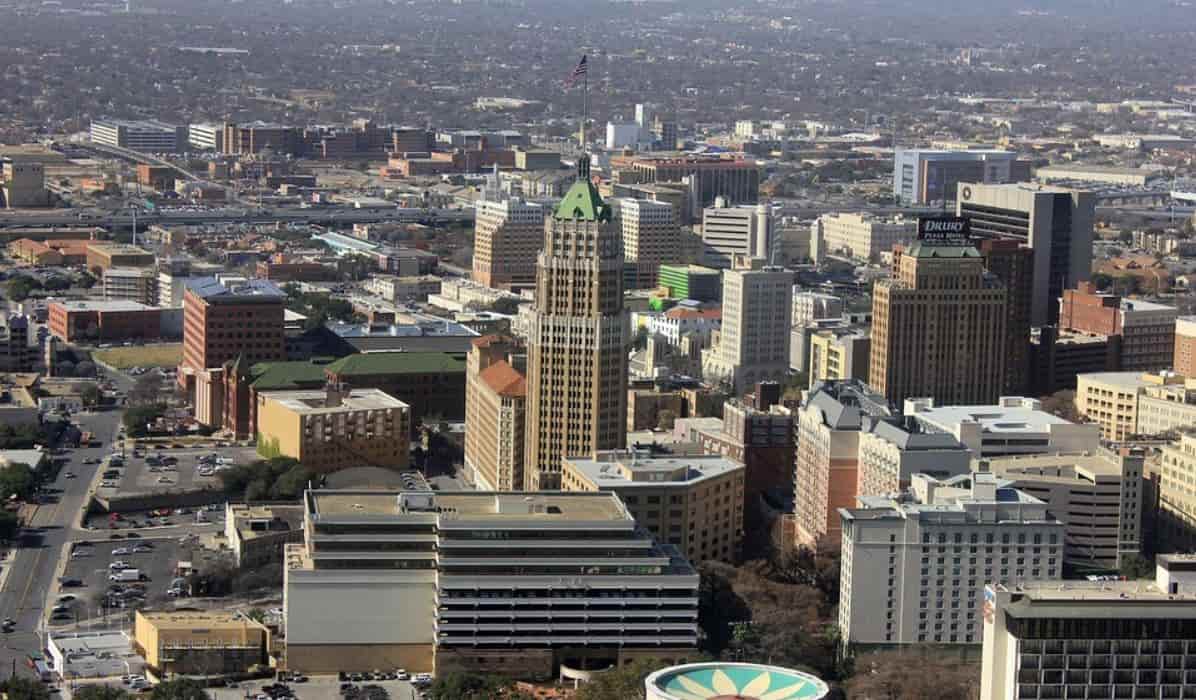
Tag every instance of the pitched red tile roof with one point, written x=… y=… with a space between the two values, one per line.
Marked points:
x=504 y=379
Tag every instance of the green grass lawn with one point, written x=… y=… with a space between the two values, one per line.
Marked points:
x=166 y=355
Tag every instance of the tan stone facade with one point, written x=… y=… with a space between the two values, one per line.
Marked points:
x=507 y=236
x=577 y=350
x=938 y=328
x=495 y=405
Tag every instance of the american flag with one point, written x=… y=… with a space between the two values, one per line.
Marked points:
x=578 y=72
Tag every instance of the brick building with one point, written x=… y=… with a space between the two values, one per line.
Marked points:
x=1146 y=329
x=104 y=321
x=223 y=323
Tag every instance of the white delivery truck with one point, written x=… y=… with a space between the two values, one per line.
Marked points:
x=125 y=575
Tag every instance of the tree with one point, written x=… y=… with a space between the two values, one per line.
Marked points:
x=21 y=286
x=914 y=676
x=1062 y=403
x=138 y=417
x=1102 y=281
x=16 y=479
x=100 y=692
x=505 y=305
x=85 y=369
x=666 y=419
x=10 y=525
x=457 y=685
x=91 y=395
x=1136 y=567
x=620 y=683
x=86 y=280
x=147 y=389
x=181 y=689
x=19 y=688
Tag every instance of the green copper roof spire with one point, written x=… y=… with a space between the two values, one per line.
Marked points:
x=582 y=201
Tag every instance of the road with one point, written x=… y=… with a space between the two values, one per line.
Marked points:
x=321 y=215
x=33 y=562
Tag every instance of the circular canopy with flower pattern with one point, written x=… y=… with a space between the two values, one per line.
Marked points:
x=730 y=681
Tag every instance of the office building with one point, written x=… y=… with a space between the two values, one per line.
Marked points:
x=1146 y=330
x=1013 y=425
x=577 y=347
x=1110 y=399
x=334 y=428
x=682 y=321
x=758 y=433
x=16 y=352
x=914 y=566
x=814 y=306
x=735 y=178
x=753 y=344
x=202 y=643
x=664 y=132
x=507 y=237
x=22 y=184
x=891 y=449
x=1176 y=514
x=858 y=236
x=839 y=354
x=827 y=430
x=103 y=321
x=1092 y=639
x=621 y=135
x=728 y=231
x=938 y=327
x=690 y=282
x=430 y=383
x=1013 y=264
x=148 y=136
x=692 y=502
x=1054 y=222
x=1165 y=409
x=222 y=323
x=206 y=137
x=103 y=255
x=484 y=582
x=495 y=408
x=138 y=284
x=1097 y=494
x=651 y=238
x=1057 y=357
x=255 y=137
x=1184 y=358
x=257 y=533
x=926 y=176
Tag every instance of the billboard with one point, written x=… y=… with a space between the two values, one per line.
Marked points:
x=945 y=230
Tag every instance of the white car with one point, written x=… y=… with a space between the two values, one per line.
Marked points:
x=117 y=565
x=120 y=551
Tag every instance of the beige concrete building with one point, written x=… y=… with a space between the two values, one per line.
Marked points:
x=692 y=502
x=1097 y=496
x=577 y=338
x=1184 y=357
x=495 y=406
x=203 y=643
x=257 y=532
x=752 y=345
x=913 y=569
x=1092 y=639
x=1176 y=515
x=334 y=428
x=859 y=236
x=651 y=238
x=839 y=354
x=22 y=184
x=1110 y=399
x=137 y=284
x=507 y=236
x=938 y=327
x=523 y=584
x=1166 y=408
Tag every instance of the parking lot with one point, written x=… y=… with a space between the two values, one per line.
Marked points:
x=155 y=558
x=149 y=470
x=323 y=688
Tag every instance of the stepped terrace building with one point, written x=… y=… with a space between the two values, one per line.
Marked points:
x=518 y=583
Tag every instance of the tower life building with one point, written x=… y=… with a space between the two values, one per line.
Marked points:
x=577 y=340
x=938 y=327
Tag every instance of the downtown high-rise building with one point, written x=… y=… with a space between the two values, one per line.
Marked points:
x=753 y=343
x=577 y=339
x=1054 y=222
x=651 y=238
x=506 y=237
x=938 y=327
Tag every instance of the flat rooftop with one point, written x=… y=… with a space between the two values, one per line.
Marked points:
x=485 y=505
x=994 y=418
x=190 y=619
x=1126 y=380
x=105 y=306
x=628 y=468
x=1095 y=463
x=1114 y=593
x=317 y=401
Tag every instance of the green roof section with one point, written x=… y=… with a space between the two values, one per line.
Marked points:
x=372 y=363
x=269 y=376
x=582 y=203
